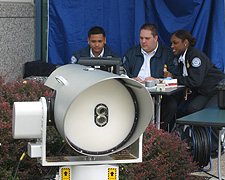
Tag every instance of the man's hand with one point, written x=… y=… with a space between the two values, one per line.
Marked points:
x=149 y=78
x=138 y=79
x=143 y=81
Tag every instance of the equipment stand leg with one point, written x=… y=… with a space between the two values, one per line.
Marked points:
x=219 y=154
x=158 y=103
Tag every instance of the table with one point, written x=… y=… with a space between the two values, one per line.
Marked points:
x=157 y=99
x=212 y=116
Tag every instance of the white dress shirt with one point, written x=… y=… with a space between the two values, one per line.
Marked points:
x=182 y=59
x=100 y=55
x=145 y=70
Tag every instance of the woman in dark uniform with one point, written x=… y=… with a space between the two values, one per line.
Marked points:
x=198 y=73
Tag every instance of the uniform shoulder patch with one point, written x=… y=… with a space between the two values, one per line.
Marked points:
x=124 y=59
x=73 y=60
x=175 y=61
x=196 y=62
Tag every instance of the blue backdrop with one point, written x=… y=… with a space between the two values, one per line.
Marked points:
x=70 y=20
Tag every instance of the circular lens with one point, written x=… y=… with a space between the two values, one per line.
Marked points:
x=101 y=109
x=101 y=120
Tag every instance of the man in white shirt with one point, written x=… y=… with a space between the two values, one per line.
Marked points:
x=147 y=61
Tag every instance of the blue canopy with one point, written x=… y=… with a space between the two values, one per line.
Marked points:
x=70 y=20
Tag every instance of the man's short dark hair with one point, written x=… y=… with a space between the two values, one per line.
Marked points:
x=96 y=30
x=151 y=27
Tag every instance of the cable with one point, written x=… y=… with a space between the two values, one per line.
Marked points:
x=21 y=158
x=202 y=146
x=189 y=136
x=207 y=147
x=198 y=140
x=52 y=169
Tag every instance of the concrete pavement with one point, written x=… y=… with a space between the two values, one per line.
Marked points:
x=214 y=169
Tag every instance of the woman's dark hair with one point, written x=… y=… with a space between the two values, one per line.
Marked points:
x=96 y=30
x=183 y=34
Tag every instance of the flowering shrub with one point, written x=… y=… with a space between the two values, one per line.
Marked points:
x=11 y=149
x=165 y=157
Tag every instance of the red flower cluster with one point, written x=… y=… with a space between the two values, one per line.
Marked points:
x=165 y=156
x=11 y=149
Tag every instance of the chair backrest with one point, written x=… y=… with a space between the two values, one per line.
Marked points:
x=38 y=68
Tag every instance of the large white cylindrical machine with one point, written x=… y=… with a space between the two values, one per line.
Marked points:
x=97 y=112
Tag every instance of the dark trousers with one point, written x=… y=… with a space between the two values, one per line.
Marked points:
x=168 y=111
x=195 y=102
x=201 y=102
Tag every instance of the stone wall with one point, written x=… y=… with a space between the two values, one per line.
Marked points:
x=17 y=37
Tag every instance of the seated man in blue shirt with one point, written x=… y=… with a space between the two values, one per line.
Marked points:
x=147 y=61
x=97 y=46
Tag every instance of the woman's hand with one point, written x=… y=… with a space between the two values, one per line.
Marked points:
x=168 y=74
x=187 y=92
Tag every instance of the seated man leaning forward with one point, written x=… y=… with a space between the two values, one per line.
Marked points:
x=97 y=46
x=147 y=61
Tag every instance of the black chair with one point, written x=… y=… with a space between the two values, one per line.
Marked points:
x=38 y=68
